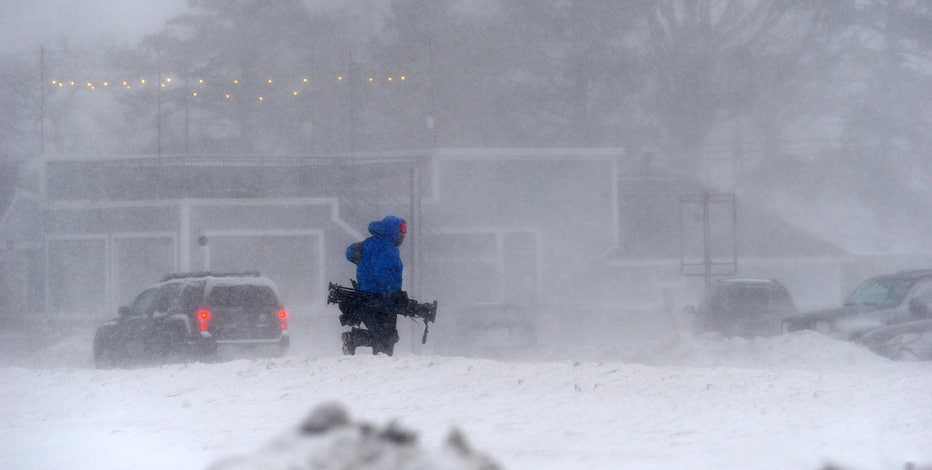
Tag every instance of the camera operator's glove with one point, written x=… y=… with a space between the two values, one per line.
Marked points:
x=399 y=298
x=348 y=316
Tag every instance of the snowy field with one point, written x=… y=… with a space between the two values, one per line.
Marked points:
x=799 y=401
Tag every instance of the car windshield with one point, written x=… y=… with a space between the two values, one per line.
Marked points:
x=880 y=292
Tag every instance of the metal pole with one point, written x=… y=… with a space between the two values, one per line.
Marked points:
x=432 y=93
x=706 y=240
x=187 y=123
x=42 y=100
x=415 y=233
x=413 y=272
x=158 y=118
x=43 y=195
x=734 y=232
x=352 y=107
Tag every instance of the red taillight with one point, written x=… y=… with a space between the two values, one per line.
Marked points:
x=203 y=319
x=283 y=319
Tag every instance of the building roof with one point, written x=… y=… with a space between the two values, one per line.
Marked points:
x=651 y=223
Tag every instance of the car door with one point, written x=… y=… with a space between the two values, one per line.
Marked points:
x=166 y=303
x=878 y=300
x=921 y=294
x=135 y=325
x=189 y=301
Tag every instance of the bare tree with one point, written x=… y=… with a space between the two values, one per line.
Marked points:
x=708 y=58
x=244 y=64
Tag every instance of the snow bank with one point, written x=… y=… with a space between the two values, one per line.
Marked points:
x=794 y=401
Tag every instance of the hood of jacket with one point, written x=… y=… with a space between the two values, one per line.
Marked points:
x=386 y=228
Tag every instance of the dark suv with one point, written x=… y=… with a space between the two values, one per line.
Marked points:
x=744 y=307
x=490 y=330
x=195 y=316
x=878 y=302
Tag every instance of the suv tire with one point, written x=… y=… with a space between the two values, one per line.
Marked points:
x=104 y=355
x=175 y=347
x=907 y=355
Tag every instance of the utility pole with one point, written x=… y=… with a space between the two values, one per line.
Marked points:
x=706 y=242
x=43 y=191
x=431 y=94
x=414 y=230
x=187 y=123
x=352 y=106
x=158 y=118
x=42 y=100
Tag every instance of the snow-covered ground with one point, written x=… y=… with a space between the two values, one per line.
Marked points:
x=794 y=401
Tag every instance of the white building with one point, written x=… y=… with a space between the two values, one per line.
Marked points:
x=563 y=226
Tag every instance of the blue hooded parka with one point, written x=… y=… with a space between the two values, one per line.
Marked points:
x=377 y=259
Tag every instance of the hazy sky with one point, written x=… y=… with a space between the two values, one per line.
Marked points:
x=29 y=23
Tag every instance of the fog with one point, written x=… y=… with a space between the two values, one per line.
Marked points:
x=598 y=163
x=815 y=117
x=29 y=24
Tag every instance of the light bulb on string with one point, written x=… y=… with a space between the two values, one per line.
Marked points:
x=165 y=82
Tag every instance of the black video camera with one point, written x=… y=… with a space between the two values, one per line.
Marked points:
x=350 y=300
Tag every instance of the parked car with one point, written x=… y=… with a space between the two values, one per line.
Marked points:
x=195 y=316
x=490 y=330
x=878 y=302
x=744 y=307
x=909 y=340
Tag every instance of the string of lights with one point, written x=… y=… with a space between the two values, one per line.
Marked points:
x=226 y=88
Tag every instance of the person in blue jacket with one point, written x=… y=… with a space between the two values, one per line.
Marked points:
x=378 y=271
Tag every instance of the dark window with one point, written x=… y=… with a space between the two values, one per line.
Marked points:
x=191 y=296
x=244 y=296
x=744 y=300
x=144 y=303
x=167 y=297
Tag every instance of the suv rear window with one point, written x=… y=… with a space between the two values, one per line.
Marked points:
x=233 y=296
x=740 y=300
